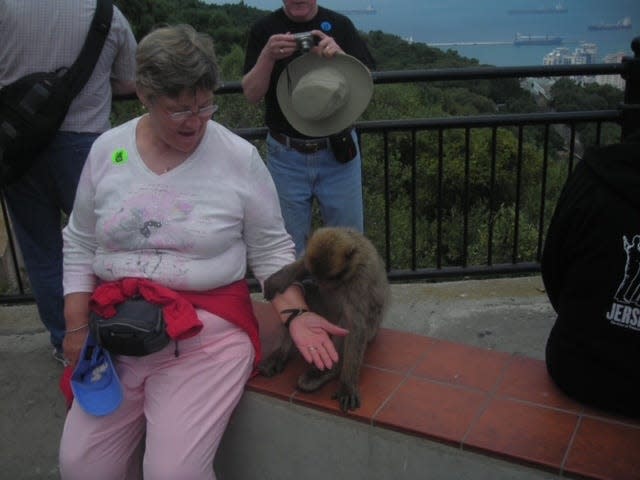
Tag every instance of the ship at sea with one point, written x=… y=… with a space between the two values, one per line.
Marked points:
x=358 y=11
x=522 y=40
x=624 y=24
x=559 y=8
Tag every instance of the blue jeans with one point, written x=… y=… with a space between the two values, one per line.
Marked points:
x=299 y=178
x=36 y=203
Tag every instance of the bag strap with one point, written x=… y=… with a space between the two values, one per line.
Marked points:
x=81 y=70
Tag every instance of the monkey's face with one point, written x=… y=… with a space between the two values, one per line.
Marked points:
x=329 y=258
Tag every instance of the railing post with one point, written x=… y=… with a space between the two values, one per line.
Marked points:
x=631 y=105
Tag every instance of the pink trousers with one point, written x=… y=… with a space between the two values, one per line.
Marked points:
x=179 y=405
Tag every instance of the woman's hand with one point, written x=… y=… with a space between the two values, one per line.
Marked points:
x=311 y=334
x=309 y=331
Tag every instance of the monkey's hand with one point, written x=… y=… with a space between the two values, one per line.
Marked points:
x=272 y=286
x=348 y=397
x=282 y=279
x=311 y=334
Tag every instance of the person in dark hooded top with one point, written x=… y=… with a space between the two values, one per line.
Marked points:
x=591 y=271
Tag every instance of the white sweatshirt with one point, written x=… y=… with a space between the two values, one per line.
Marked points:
x=195 y=227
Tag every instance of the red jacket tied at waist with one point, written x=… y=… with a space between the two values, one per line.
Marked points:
x=231 y=302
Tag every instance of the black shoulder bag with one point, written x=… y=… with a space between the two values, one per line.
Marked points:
x=33 y=107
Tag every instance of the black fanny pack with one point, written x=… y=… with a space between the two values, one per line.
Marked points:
x=137 y=329
x=343 y=146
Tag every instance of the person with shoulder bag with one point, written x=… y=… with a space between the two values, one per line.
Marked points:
x=47 y=36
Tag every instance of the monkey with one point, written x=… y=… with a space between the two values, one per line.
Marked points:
x=345 y=281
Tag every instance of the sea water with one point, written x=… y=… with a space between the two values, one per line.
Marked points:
x=484 y=30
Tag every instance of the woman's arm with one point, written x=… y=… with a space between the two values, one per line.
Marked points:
x=76 y=315
x=78 y=277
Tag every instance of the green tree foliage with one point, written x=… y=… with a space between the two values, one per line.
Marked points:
x=466 y=183
x=568 y=95
x=385 y=48
x=235 y=112
x=227 y=24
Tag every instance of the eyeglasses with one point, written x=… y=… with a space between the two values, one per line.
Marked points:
x=204 y=113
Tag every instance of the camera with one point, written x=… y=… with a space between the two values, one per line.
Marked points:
x=305 y=41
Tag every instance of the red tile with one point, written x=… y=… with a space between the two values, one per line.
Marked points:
x=604 y=450
x=431 y=409
x=527 y=379
x=462 y=365
x=527 y=433
x=397 y=351
x=375 y=387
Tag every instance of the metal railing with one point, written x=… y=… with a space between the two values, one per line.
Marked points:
x=376 y=135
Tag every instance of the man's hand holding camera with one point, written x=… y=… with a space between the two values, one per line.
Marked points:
x=326 y=46
x=284 y=45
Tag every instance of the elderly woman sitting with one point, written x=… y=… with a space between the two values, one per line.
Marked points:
x=175 y=200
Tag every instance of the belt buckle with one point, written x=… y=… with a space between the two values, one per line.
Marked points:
x=312 y=147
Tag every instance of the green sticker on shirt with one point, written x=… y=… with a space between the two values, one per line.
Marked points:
x=120 y=157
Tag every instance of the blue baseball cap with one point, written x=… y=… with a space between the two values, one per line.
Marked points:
x=94 y=382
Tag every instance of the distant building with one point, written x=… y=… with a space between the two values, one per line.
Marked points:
x=613 y=80
x=558 y=56
x=585 y=54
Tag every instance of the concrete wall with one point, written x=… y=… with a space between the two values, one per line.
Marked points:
x=270 y=439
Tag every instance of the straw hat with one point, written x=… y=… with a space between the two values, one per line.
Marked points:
x=321 y=96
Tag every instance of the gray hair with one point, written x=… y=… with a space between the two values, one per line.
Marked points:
x=176 y=58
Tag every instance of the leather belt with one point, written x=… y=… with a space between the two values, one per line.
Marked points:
x=310 y=145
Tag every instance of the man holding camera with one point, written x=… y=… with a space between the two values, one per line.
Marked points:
x=304 y=167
